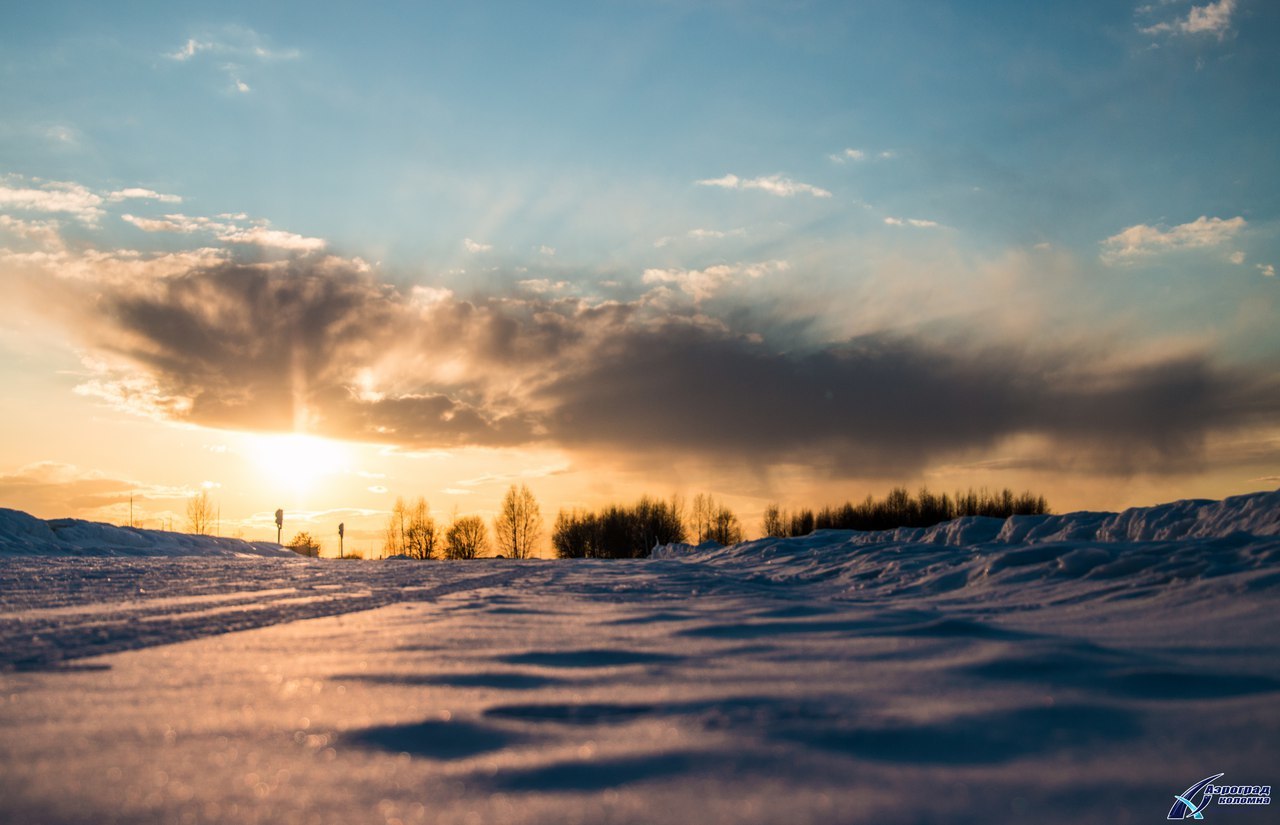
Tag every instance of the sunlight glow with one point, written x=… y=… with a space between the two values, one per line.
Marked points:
x=295 y=462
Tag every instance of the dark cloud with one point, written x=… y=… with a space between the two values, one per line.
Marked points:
x=246 y=344
x=273 y=347
x=885 y=404
x=267 y=346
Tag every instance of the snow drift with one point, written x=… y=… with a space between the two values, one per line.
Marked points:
x=24 y=534
x=1190 y=540
x=1062 y=669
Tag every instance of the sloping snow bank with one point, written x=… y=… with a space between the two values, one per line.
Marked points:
x=1255 y=514
x=24 y=534
x=1186 y=541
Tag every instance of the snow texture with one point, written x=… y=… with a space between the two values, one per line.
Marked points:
x=25 y=534
x=1053 y=669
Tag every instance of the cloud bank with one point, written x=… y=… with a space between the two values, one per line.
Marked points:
x=318 y=344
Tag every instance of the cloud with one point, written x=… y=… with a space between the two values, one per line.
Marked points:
x=73 y=199
x=170 y=223
x=259 y=233
x=45 y=233
x=142 y=194
x=304 y=344
x=884 y=404
x=1267 y=269
x=1236 y=257
x=773 y=184
x=859 y=155
x=544 y=285
x=236 y=48
x=275 y=238
x=549 y=251
x=54 y=197
x=318 y=344
x=231 y=41
x=1141 y=240
x=848 y=155
x=475 y=246
x=51 y=489
x=1213 y=18
x=916 y=222
x=702 y=284
x=190 y=49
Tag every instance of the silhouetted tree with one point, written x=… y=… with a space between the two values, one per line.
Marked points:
x=519 y=523
x=725 y=527
x=466 y=538
x=801 y=523
x=774 y=522
x=700 y=518
x=304 y=544
x=618 y=531
x=899 y=509
x=411 y=531
x=420 y=532
x=394 y=540
x=199 y=513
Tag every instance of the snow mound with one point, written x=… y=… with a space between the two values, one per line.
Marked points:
x=1184 y=541
x=24 y=534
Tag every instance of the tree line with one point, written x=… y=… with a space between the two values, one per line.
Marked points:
x=412 y=532
x=631 y=531
x=900 y=509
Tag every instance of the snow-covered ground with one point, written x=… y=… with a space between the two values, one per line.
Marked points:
x=1050 y=669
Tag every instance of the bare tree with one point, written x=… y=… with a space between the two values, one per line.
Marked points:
x=774 y=523
x=519 y=523
x=725 y=527
x=393 y=542
x=420 y=534
x=200 y=513
x=466 y=538
x=702 y=504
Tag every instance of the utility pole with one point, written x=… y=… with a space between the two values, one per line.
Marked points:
x=341 y=530
x=279 y=524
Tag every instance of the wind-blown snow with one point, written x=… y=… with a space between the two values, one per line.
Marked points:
x=1056 y=669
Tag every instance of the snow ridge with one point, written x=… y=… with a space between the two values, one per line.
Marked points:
x=1077 y=556
x=24 y=534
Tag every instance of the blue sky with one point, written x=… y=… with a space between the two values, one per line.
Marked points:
x=1084 y=188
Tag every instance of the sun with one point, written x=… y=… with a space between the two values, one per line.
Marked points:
x=295 y=462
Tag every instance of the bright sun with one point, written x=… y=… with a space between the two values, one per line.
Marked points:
x=294 y=462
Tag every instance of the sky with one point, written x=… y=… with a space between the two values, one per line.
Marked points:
x=320 y=257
